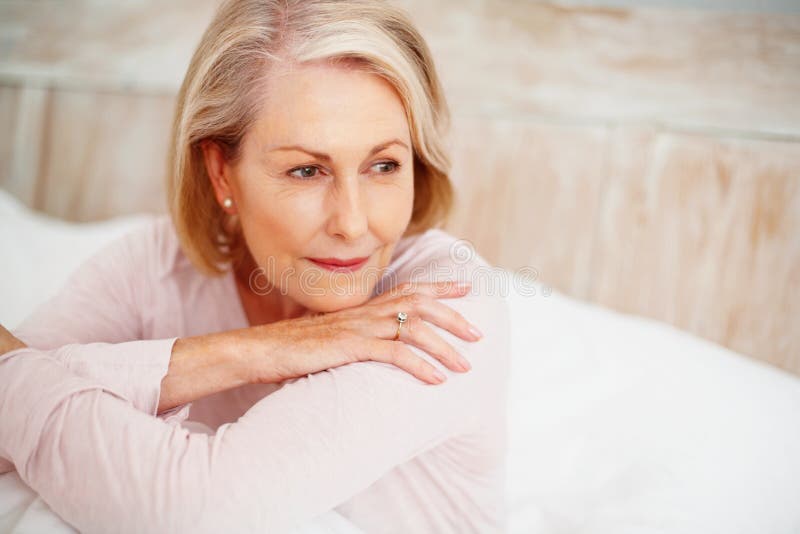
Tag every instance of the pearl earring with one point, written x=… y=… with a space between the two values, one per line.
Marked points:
x=227 y=203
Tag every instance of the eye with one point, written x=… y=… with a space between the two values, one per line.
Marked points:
x=393 y=166
x=307 y=172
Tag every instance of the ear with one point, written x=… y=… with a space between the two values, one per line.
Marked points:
x=219 y=172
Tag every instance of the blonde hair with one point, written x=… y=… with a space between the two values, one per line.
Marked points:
x=218 y=101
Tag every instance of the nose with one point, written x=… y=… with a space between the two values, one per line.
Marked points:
x=348 y=219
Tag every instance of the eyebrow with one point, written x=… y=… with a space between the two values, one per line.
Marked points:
x=326 y=157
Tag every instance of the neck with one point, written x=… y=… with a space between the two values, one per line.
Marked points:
x=267 y=306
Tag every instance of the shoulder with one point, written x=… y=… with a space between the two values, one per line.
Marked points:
x=434 y=256
x=151 y=249
x=437 y=256
x=434 y=243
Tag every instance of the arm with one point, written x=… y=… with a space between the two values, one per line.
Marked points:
x=297 y=453
x=201 y=366
x=156 y=376
x=132 y=370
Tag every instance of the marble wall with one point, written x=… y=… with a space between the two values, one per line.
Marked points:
x=647 y=159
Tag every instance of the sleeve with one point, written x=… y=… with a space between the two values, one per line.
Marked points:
x=132 y=370
x=308 y=447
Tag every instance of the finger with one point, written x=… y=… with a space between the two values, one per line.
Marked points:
x=415 y=332
x=398 y=354
x=435 y=312
x=446 y=289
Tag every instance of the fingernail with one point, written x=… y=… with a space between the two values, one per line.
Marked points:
x=463 y=286
x=439 y=376
x=465 y=365
x=475 y=332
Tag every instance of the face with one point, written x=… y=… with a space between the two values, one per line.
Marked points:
x=326 y=173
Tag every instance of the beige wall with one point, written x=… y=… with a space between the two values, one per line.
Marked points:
x=647 y=159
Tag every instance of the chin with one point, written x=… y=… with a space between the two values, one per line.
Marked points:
x=330 y=302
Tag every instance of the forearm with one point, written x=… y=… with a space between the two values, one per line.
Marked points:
x=203 y=365
x=199 y=366
x=196 y=367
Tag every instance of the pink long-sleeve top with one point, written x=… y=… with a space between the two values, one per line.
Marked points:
x=392 y=454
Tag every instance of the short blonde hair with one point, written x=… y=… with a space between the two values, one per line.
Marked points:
x=218 y=102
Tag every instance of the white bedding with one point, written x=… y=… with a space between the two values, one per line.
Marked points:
x=618 y=424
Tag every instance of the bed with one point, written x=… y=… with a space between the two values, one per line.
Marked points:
x=618 y=424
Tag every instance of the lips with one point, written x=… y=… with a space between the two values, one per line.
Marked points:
x=338 y=264
x=337 y=261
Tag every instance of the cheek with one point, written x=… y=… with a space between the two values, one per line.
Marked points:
x=390 y=208
x=278 y=223
x=390 y=221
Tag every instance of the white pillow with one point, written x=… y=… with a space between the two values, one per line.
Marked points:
x=622 y=424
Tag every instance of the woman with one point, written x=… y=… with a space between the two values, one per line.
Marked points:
x=290 y=339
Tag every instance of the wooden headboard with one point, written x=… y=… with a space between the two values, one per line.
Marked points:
x=644 y=159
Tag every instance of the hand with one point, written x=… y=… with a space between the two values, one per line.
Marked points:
x=310 y=344
x=8 y=342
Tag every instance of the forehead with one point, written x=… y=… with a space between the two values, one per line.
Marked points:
x=320 y=103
